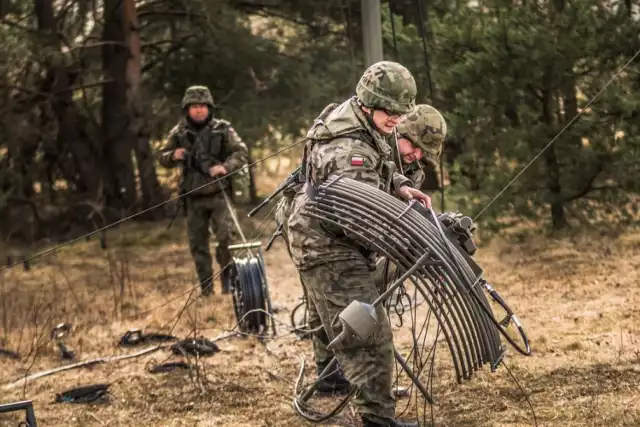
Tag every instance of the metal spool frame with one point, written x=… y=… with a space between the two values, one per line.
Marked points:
x=434 y=252
x=25 y=405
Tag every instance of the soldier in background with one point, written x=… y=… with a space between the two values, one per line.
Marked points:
x=207 y=148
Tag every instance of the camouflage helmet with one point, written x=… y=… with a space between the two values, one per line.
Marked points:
x=426 y=128
x=197 y=95
x=388 y=86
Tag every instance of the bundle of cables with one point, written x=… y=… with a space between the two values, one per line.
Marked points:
x=435 y=253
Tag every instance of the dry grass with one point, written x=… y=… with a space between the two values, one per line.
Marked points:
x=578 y=299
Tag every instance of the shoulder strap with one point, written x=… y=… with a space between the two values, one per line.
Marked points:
x=360 y=135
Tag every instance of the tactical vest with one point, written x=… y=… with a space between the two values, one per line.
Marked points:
x=208 y=140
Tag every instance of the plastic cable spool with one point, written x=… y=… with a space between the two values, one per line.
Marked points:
x=250 y=292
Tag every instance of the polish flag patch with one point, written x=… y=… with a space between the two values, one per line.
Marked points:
x=357 y=161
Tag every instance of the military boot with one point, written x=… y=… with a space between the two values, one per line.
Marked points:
x=394 y=423
x=206 y=287
x=334 y=385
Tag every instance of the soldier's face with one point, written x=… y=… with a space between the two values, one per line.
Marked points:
x=385 y=121
x=409 y=152
x=198 y=112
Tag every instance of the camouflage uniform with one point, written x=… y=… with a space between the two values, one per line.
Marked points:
x=209 y=143
x=335 y=384
x=424 y=127
x=283 y=208
x=335 y=269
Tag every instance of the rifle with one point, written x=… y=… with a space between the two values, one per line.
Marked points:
x=188 y=163
x=292 y=180
x=178 y=208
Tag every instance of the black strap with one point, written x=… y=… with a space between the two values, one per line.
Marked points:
x=83 y=394
x=200 y=346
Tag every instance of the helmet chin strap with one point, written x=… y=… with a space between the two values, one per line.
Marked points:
x=369 y=116
x=395 y=137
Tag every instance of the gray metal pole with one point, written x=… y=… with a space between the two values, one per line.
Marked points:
x=371 y=31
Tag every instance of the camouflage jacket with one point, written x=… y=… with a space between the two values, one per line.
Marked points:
x=216 y=143
x=344 y=143
x=415 y=172
x=283 y=208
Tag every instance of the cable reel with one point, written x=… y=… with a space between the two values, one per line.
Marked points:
x=250 y=290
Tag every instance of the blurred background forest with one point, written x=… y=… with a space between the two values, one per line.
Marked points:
x=90 y=88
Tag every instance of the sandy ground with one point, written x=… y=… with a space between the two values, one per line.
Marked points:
x=578 y=298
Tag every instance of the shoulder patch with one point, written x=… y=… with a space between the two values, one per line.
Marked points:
x=357 y=160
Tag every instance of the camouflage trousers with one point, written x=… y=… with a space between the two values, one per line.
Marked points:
x=202 y=211
x=386 y=274
x=319 y=338
x=369 y=365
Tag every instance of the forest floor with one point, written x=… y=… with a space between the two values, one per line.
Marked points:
x=577 y=296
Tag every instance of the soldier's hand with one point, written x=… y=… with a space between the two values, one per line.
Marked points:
x=217 y=170
x=178 y=154
x=410 y=193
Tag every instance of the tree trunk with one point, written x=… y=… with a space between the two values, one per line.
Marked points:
x=151 y=194
x=120 y=187
x=558 y=214
x=253 y=191
x=83 y=149
x=4 y=8
x=71 y=136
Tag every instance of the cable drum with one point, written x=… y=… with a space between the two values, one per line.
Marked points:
x=251 y=299
x=450 y=280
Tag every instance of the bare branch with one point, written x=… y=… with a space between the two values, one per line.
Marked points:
x=178 y=45
x=142 y=15
x=107 y=359
x=588 y=186
x=18 y=26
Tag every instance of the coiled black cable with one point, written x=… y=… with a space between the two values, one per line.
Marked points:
x=450 y=285
x=450 y=282
x=248 y=294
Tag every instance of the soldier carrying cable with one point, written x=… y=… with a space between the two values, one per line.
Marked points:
x=352 y=141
